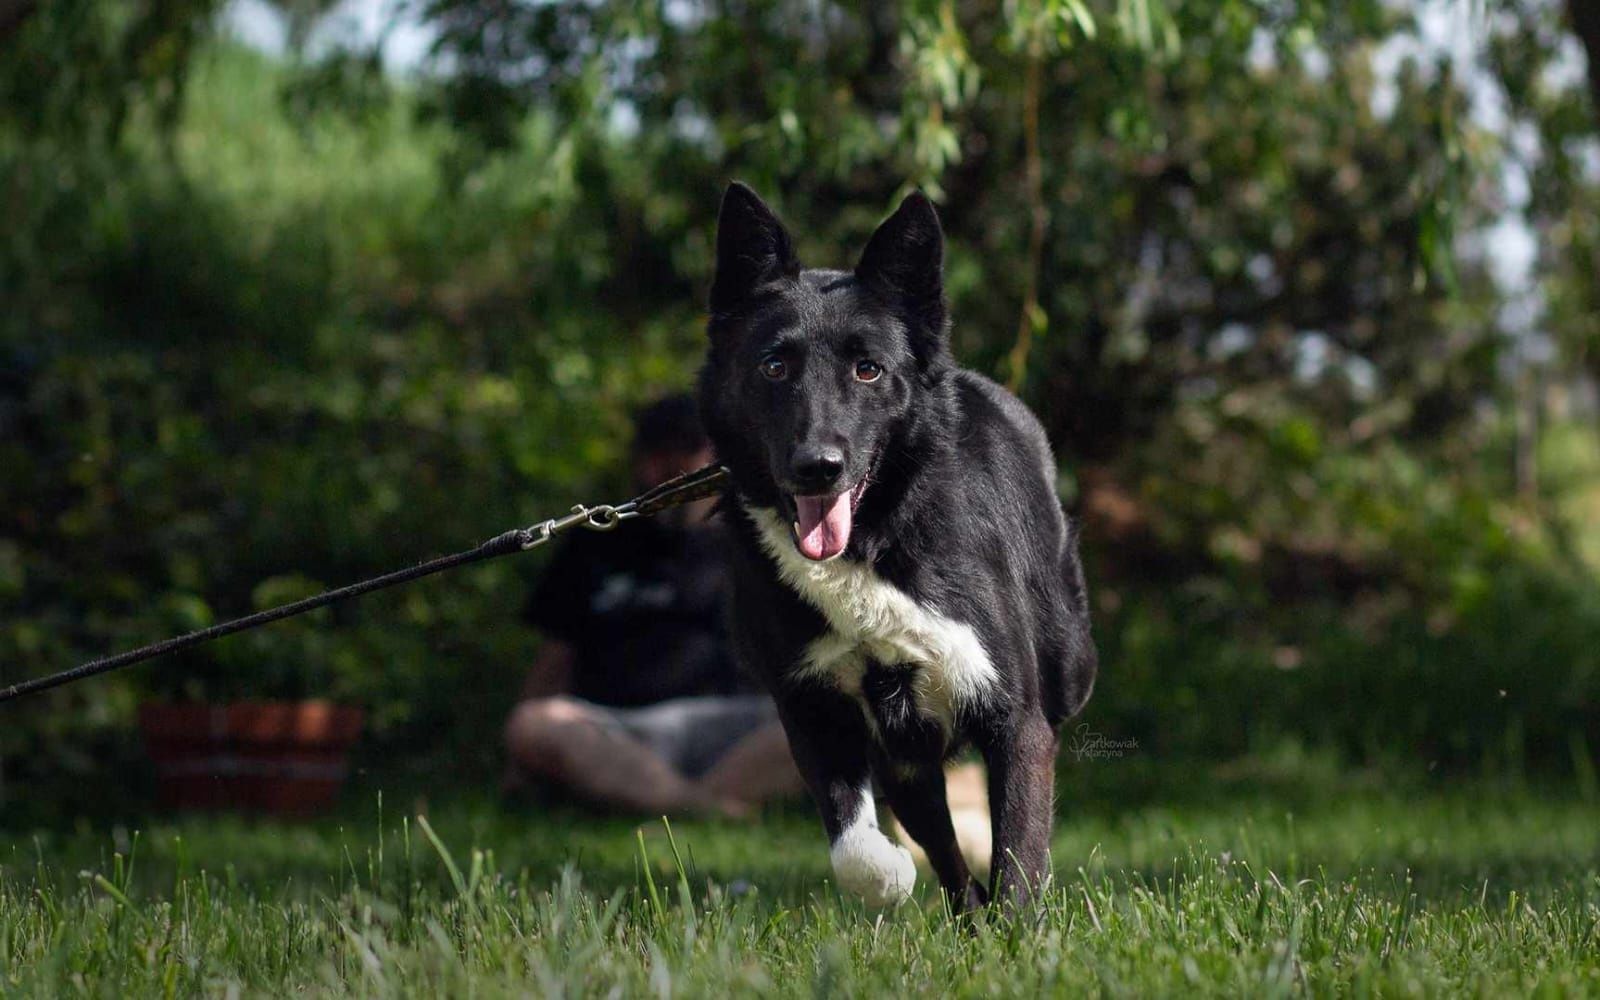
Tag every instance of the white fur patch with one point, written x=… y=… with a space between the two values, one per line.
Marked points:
x=871 y=617
x=869 y=864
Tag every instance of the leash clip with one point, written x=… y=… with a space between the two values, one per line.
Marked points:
x=606 y=516
x=601 y=517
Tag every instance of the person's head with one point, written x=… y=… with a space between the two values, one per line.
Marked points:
x=668 y=440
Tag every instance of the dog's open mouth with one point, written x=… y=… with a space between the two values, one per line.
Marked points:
x=822 y=523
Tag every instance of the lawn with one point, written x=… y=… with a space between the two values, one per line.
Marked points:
x=1257 y=880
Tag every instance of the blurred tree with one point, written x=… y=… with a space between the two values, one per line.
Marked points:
x=71 y=67
x=1158 y=212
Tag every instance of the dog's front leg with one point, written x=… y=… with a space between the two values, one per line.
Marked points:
x=832 y=748
x=918 y=797
x=1022 y=768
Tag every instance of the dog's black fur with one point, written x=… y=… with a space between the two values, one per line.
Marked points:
x=959 y=513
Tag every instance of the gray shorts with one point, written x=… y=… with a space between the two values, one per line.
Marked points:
x=691 y=734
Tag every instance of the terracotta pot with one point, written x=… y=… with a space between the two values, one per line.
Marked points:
x=280 y=758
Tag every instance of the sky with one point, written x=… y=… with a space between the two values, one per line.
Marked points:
x=405 y=40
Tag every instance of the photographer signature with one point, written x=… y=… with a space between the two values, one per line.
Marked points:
x=1086 y=743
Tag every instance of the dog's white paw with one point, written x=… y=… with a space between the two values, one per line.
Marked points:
x=872 y=866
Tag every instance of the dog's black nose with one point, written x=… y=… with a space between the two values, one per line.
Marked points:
x=816 y=469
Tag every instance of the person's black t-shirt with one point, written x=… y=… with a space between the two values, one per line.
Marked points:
x=642 y=606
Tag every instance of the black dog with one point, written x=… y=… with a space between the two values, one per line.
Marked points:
x=903 y=577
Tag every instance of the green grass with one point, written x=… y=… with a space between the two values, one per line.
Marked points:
x=1255 y=883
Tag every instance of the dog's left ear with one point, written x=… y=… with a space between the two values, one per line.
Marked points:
x=904 y=262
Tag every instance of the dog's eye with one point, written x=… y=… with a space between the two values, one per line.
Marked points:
x=773 y=367
x=868 y=370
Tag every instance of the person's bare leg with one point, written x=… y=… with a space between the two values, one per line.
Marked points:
x=755 y=769
x=967 y=791
x=560 y=739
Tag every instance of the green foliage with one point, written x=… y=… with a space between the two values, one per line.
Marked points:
x=1506 y=681
x=72 y=66
x=290 y=357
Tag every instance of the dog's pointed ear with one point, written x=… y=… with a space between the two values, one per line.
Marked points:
x=904 y=261
x=753 y=248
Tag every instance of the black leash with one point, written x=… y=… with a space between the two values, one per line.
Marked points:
x=680 y=490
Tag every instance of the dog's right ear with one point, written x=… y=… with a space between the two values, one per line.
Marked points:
x=753 y=249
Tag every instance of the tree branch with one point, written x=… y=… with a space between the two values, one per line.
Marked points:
x=1038 y=218
x=1585 y=18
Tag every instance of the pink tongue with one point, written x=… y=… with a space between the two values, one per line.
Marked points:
x=823 y=525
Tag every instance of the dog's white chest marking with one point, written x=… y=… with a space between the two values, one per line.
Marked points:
x=870 y=618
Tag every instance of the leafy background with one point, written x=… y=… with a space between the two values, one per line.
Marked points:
x=277 y=321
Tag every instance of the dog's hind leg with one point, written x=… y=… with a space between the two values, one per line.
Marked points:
x=832 y=748
x=917 y=796
x=1022 y=767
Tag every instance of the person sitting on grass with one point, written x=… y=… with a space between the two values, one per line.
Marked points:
x=634 y=701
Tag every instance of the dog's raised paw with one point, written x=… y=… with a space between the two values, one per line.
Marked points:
x=870 y=865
